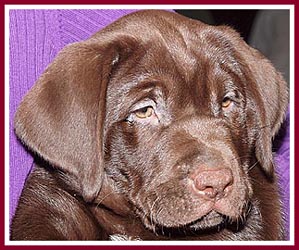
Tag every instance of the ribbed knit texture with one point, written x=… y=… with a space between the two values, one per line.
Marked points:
x=36 y=36
x=281 y=147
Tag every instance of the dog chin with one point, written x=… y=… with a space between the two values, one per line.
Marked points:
x=210 y=220
x=217 y=220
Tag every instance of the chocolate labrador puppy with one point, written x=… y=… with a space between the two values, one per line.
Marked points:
x=158 y=127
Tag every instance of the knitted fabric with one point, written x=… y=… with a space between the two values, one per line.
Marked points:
x=36 y=36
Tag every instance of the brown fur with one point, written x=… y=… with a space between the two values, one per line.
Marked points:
x=195 y=169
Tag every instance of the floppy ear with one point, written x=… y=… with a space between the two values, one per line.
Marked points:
x=272 y=101
x=269 y=93
x=62 y=116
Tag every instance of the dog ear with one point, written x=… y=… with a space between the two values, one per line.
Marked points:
x=62 y=117
x=271 y=95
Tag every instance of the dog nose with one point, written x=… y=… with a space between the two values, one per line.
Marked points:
x=213 y=183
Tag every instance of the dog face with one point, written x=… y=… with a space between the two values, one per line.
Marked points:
x=173 y=114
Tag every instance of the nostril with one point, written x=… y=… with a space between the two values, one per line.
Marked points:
x=213 y=183
x=228 y=187
x=209 y=192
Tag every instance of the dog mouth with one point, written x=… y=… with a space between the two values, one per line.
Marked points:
x=212 y=222
x=217 y=221
x=193 y=212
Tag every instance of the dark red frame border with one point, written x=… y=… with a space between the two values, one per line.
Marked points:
x=129 y=2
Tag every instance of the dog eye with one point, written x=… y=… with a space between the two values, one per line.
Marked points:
x=145 y=112
x=226 y=102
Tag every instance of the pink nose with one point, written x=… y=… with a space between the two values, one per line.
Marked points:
x=213 y=183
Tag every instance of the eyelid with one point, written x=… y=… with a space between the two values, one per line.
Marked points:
x=140 y=105
x=231 y=95
x=143 y=104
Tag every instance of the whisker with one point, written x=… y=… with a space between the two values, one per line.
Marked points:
x=152 y=213
x=102 y=199
x=252 y=166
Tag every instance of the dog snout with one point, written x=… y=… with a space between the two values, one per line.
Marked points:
x=213 y=183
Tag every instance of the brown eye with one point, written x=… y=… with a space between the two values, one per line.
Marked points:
x=226 y=103
x=145 y=112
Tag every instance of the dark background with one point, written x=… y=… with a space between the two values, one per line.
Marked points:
x=266 y=30
x=241 y=20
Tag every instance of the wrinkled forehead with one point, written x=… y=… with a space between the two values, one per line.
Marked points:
x=180 y=53
x=182 y=57
x=193 y=48
x=169 y=39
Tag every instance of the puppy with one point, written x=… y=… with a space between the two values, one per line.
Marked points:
x=158 y=127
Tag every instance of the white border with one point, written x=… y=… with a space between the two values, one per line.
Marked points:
x=163 y=6
x=292 y=124
x=164 y=243
x=6 y=103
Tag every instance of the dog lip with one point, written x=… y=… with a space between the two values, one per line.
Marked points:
x=225 y=207
x=210 y=220
x=198 y=213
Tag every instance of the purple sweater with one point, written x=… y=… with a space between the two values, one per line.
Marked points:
x=36 y=36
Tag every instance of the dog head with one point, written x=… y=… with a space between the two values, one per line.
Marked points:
x=173 y=112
